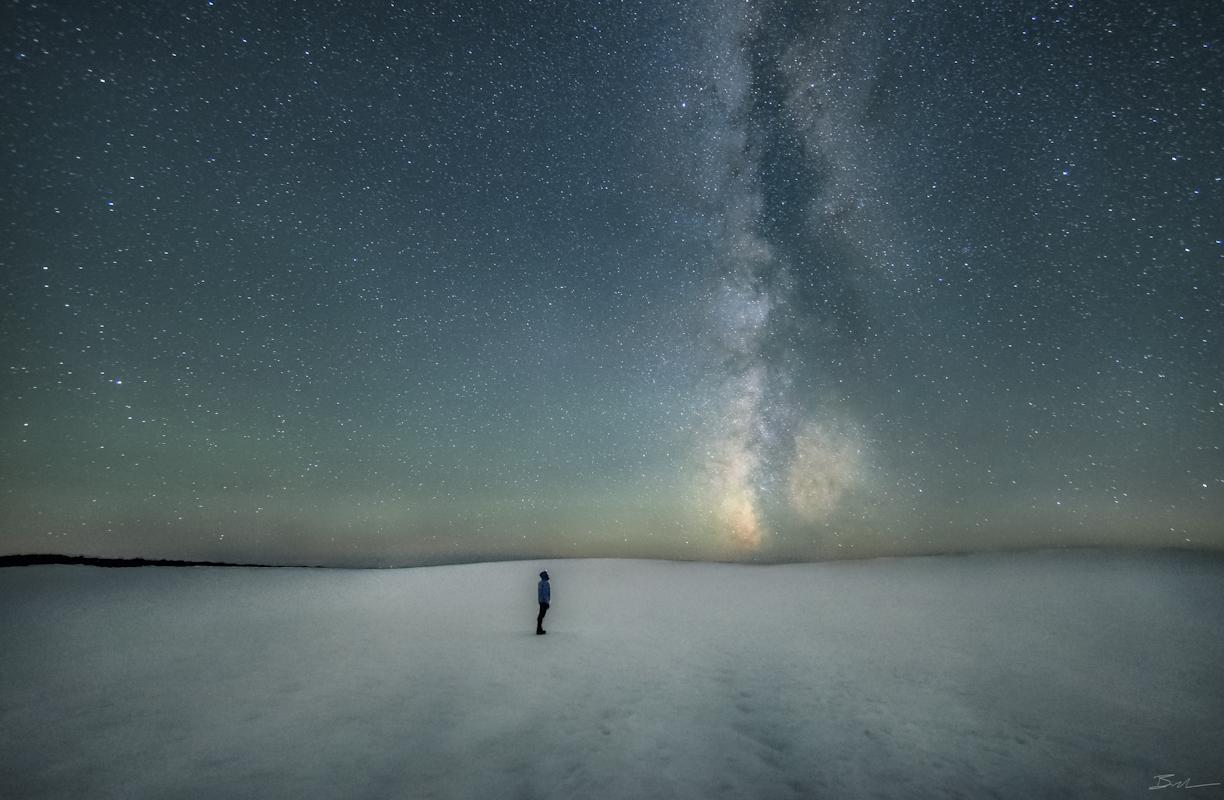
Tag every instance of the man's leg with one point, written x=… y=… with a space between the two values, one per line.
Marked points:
x=540 y=619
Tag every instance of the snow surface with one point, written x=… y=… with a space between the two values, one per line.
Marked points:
x=1073 y=674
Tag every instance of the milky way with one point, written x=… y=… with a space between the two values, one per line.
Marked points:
x=780 y=135
x=431 y=282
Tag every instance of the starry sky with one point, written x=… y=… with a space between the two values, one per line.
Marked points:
x=402 y=282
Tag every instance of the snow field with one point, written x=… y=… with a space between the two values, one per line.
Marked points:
x=1051 y=674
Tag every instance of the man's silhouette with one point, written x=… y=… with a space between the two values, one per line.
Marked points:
x=543 y=594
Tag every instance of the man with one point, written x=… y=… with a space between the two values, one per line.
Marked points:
x=543 y=594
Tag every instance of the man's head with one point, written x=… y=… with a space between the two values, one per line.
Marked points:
x=544 y=575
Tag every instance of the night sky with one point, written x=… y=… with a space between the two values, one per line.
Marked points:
x=409 y=282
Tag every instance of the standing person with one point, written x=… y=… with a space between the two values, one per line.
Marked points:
x=543 y=594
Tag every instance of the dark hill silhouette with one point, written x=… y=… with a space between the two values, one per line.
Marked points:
x=42 y=559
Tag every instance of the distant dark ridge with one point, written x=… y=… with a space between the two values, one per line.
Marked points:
x=458 y=559
x=42 y=559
